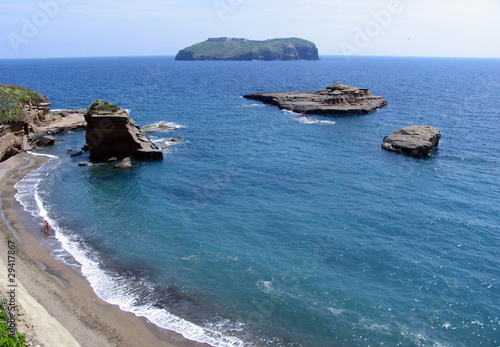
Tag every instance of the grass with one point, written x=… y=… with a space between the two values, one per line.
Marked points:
x=6 y=340
x=102 y=105
x=12 y=100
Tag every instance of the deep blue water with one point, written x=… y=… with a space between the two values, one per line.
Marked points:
x=262 y=229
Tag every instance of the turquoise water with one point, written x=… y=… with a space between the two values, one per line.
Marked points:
x=262 y=229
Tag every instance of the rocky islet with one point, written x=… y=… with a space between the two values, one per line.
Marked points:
x=335 y=100
x=416 y=141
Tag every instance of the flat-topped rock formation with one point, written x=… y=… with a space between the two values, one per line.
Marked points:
x=337 y=99
x=414 y=141
x=63 y=121
x=112 y=133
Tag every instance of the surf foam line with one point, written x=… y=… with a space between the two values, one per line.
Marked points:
x=115 y=289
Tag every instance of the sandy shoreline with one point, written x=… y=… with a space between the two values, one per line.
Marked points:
x=62 y=291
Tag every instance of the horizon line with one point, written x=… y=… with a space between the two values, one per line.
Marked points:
x=321 y=55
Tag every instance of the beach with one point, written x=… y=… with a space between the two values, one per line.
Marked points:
x=58 y=306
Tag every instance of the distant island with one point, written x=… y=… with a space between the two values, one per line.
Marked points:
x=225 y=48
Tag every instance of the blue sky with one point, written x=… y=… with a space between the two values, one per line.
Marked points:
x=81 y=28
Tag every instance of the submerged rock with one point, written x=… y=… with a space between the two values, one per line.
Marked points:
x=125 y=163
x=337 y=99
x=415 y=141
x=112 y=133
x=160 y=127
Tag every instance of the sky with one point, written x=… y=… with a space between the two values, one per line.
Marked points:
x=91 y=28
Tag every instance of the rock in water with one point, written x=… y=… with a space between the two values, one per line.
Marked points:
x=112 y=133
x=124 y=164
x=338 y=99
x=46 y=140
x=414 y=141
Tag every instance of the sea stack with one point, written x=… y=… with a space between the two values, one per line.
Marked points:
x=112 y=133
x=414 y=141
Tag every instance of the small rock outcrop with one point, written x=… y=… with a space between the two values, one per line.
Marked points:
x=46 y=140
x=337 y=99
x=112 y=133
x=414 y=141
x=124 y=164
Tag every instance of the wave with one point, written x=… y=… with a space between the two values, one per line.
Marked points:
x=42 y=155
x=164 y=144
x=161 y=126
x=113 y=286
x=309 y=120
x=254 y=105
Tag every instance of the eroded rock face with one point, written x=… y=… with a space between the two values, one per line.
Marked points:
x=337 y=99
x=415 y=141
x=112 y=133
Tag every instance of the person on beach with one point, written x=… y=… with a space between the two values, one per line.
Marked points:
x=47 y=227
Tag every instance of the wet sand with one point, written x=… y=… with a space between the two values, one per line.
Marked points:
x=61 y=308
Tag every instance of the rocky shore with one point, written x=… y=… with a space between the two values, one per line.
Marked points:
x=110 y=132
x=334 y=100
x=16 y=138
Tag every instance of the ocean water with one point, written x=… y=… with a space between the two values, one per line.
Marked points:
x=259 y=228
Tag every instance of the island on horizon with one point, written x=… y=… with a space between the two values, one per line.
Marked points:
x=226 y=48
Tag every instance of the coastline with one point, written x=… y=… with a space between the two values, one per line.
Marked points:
x=64 y=293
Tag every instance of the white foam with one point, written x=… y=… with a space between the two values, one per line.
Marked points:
x=255 y=105
x=113 y=289
x=42 y=155
x=167 y=142
x=335 y=311
x=291 y=112
x=265 y=286
x=309 y=120
x=164 y=126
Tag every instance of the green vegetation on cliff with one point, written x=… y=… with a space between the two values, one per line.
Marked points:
x=224 y=48
x=12 y=101
x=6 y=338
x=102 y=106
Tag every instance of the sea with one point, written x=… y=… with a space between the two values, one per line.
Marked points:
x=263 y=228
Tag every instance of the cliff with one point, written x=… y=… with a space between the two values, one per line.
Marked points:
x=112 y=133
x=21 y=109
x=242 y=49
x=337 y=99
